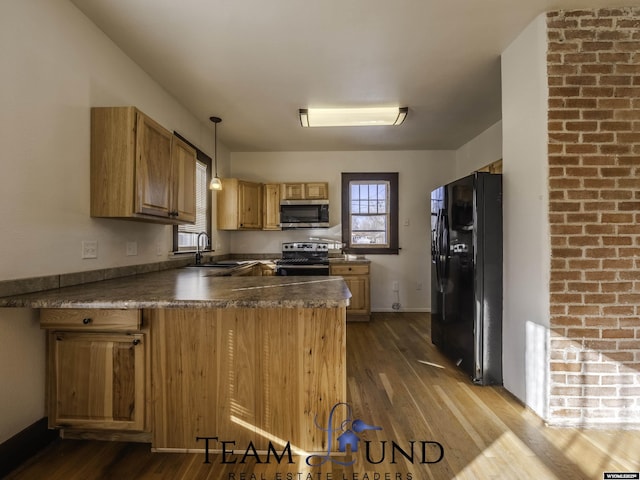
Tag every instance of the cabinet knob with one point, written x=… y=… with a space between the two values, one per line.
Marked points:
x=136 y=341
x=86 y=321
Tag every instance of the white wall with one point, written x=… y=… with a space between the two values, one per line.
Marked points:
x=526 y=237
x=56 y=64
x=480 y=151
x=418 y=173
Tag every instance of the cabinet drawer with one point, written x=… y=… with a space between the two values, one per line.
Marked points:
x=349 y=269
x=90 y=319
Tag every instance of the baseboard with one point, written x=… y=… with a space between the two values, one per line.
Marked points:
x=25 y=445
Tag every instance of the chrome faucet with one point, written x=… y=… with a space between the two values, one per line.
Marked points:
x=198 y=254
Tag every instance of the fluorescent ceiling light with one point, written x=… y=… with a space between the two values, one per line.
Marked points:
x=352 y=117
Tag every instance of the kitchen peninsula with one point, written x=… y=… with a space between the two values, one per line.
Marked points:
x=169 y=356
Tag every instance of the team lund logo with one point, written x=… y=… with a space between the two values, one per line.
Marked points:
x=346 y=429
x=348 y=432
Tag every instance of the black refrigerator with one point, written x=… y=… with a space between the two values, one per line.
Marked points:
x=466 y=274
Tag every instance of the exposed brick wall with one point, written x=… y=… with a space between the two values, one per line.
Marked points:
x=593 y=63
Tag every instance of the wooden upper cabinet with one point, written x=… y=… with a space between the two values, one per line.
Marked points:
x=305 y=191
x=139 y=170
x=239 y=205
x=271 y=207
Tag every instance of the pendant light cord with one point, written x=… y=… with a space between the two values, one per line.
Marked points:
x=216 y=121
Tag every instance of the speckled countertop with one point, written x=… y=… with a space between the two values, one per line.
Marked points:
x=192 y=288
x=348 y=261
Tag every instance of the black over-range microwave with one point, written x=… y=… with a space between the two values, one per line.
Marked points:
x=304 y=214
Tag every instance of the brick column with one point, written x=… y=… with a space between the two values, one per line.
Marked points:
x=594 y=189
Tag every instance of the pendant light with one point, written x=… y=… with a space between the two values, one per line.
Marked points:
x=215 y=184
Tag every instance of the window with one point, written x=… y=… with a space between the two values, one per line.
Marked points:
x=185 y=236
x=370 y=212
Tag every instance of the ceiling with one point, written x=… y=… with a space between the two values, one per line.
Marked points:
x=254 y=63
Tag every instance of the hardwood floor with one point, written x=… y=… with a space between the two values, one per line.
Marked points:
x=484 y=432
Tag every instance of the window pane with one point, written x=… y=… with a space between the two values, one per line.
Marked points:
x=369 y=238
x=368 y=222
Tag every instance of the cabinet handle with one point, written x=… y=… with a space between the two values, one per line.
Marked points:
x=86 y=321
x=136 y=341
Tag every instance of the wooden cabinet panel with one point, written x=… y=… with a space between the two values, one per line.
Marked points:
x=250 y=198
x=139 y=170
x=239 y=205
x=88 y=319
x=359 y=287
x=240 y=372
x=185 y=353
x=271 y=207
x=316 y=191
x=97 y=380
x=153 y=168
x=183 y=158
x=345 y=269
x=292 y=191
x=356 y=276
x=305 y=191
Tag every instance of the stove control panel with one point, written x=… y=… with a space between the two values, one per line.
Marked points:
x=305 y=247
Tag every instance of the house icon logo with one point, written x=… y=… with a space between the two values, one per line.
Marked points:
x=348 y=430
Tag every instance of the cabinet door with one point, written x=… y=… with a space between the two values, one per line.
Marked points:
x=271 y=217
x=96 y=380
x=153 y=168
x=316 y=191
x=184 y=181
x=250 y=205
x=292 y=191
x=359 y=287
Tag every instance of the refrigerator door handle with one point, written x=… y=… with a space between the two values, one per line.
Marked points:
x=442 y=250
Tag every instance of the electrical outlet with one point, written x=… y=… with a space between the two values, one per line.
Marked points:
x=407 y=222
x=395 y=286
x=90 y=249
x=132 y=249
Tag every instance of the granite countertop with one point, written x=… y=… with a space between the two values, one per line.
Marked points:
x=349 y=259
x=192 y=288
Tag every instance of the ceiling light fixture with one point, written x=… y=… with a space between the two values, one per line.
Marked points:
x=215 y=184
x=352 y=117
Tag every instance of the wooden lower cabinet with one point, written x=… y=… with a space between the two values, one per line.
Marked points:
x=356 y=276
x=246 y=375
x=96 y=378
